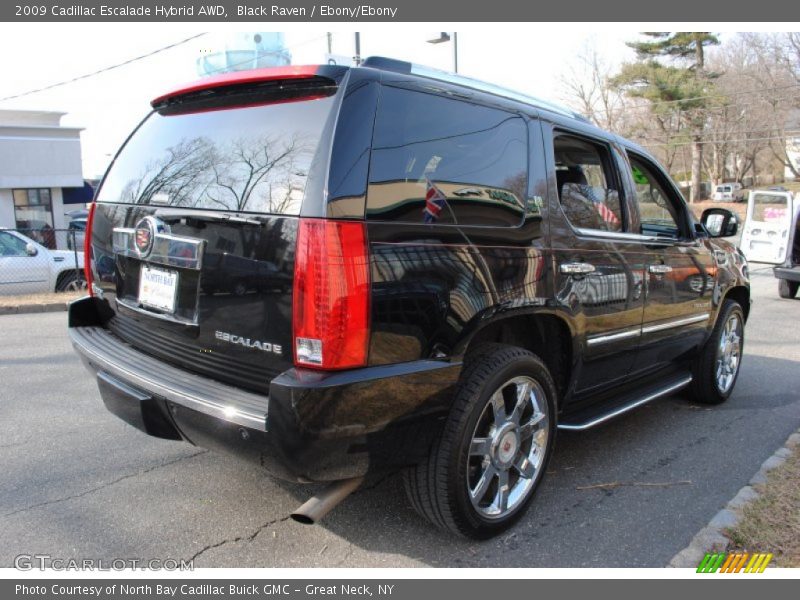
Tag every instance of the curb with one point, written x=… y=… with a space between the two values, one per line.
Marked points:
x=34 y=308
x=712 y=537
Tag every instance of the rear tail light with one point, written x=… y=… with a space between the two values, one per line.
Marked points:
x=87 y=249
x=331 y=295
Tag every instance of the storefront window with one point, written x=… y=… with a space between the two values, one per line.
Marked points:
x=33 y=209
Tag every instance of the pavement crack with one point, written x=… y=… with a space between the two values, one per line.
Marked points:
x=346 y=556
x=103 y=486
x=240 y=538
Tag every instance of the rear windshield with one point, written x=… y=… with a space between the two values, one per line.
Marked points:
x=250 y=159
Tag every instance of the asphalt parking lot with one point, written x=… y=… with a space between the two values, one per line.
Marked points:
x=79 y=483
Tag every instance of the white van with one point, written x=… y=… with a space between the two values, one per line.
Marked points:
x=726 y=192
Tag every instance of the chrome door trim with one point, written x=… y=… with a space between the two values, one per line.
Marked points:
x=676 y=323
x=613 y=337
x=624 y=236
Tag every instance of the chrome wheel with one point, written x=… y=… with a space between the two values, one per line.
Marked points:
x=76 y=285
x=508 y=447
x=729 y=353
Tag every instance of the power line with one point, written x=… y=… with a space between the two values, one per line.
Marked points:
x=761 y=139
x=706 y=97
x=653 y=103
x=147 y=55
x=103 y=70
x=787 y=133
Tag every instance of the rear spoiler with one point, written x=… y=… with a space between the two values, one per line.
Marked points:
x=330 y=74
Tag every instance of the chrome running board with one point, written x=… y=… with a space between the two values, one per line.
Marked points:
x=619 y=410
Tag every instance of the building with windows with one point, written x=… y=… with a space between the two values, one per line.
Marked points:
x=40 y=173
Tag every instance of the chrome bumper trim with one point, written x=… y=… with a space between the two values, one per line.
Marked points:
x=109 y=354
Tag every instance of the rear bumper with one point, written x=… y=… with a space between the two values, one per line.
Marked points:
x=312 y=427
x=790 y=273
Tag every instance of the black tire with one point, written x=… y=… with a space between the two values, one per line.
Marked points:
x=787 y=289
x=71 y=282
x=438 y=487
x=705 y=387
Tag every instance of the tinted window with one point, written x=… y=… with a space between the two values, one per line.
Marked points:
x=470 y=161
x=658 y=213
x=253 y=159
x=587 y=184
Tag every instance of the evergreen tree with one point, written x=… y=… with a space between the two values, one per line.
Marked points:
x=670 y=73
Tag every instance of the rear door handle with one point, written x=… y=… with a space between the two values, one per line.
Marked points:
x=660 y=269
x=577 y=268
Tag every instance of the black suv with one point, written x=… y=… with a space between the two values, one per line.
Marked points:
x=334 y=270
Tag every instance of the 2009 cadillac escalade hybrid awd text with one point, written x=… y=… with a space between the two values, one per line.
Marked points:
x=333 y=271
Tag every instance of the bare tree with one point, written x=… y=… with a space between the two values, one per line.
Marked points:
x=253 y=166
x=586 y=87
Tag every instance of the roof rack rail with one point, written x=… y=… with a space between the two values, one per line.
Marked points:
x=401 y=66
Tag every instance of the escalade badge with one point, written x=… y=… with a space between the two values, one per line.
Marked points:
x=248 y=343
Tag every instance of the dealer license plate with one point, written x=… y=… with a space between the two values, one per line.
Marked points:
x=158 y=288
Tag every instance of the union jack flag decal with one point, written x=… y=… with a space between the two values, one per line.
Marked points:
x=434 y=202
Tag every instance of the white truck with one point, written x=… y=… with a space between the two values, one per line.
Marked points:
x=771 y=236
x=27 y=267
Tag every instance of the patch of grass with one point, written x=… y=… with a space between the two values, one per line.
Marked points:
x=772 y=522
x=46 y=298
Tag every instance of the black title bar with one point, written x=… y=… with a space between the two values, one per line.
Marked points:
x=338 y=11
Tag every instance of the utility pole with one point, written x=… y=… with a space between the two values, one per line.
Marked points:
x=330 y=42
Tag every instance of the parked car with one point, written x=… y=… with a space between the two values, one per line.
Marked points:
x=467 y=270
x=27 y=267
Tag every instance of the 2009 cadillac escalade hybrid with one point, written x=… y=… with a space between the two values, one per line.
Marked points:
x=335 y=270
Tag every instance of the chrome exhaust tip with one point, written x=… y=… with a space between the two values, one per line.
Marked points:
x=316 y=507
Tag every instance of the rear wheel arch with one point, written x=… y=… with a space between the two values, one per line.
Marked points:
x=65 y=275
x=545 y=334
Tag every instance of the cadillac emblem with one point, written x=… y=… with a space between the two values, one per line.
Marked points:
x=145 y=234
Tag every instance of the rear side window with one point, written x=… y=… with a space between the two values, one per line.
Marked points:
x=251 y=159
x=437 y=160
x=587 y=184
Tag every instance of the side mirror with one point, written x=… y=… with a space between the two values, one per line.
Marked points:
x=720 y=222
x=31 y=250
